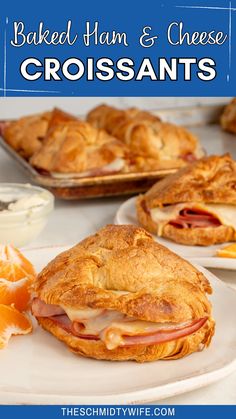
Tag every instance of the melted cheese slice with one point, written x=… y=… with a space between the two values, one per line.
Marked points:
x=226 y=214
x=115 y=166
x=111 y=326
x=82 y=314
x=113 y=336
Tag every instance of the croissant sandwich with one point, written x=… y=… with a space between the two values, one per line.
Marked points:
x=118 y=295
x=156 y=144
x=196 y=205
x=25 y=135
x=76 y=148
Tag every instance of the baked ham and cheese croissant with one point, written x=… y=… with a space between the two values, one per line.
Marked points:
x=75 y=148
x=196 y=205
x=118 y=295
x=25 y=135
x=228 y=118
x=156 y=144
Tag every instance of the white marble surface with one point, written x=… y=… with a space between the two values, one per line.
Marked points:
x=71 y=221
x=15 y=107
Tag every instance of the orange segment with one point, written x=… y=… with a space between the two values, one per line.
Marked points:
x=12 y=322
x=227 y=251
x=17 y=293
x=13 y=265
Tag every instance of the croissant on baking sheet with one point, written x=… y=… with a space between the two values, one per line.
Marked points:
x=25 y=135
x=156 y=144
x=228 y=117
x=196 y=205
x=59 y=117
x=75 y=147
x=118 y=295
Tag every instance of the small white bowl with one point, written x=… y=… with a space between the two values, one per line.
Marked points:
x=24 y=219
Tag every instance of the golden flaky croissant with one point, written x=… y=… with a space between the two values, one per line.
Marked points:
x=76 y=147
x=228 y=118
x=196 y=205
x=118 y=295
x=25 y=135
x=156 y=144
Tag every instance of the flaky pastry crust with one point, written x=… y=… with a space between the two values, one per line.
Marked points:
x=152 y=141
x=228 y=118
x=75 y=146
x=116 y=259
x=210 y=180
x=59 y=117
x=25 y=135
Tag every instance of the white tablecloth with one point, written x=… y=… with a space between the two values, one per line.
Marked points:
x=72 y=221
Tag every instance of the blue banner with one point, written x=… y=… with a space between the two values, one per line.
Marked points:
x=139 y=411
x=132 y=48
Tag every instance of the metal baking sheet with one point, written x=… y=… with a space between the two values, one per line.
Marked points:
x=201 y=120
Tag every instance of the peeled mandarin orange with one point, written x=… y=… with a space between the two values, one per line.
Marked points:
x=12 y=322
x=13 y=265
x=17 y=293
x=227 y=251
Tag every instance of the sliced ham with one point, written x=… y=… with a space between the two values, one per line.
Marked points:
x=189 y=157
x=41 y=309
x=72 y=327
x=164 y=335
x=114 y=328
x=195 y=218
x=63 y=321
x=161 y=336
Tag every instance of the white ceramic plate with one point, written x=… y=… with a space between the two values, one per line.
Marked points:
x=204 y=256
x=39 y=369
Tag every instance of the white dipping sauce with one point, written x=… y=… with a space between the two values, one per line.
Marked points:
x=24 y=210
